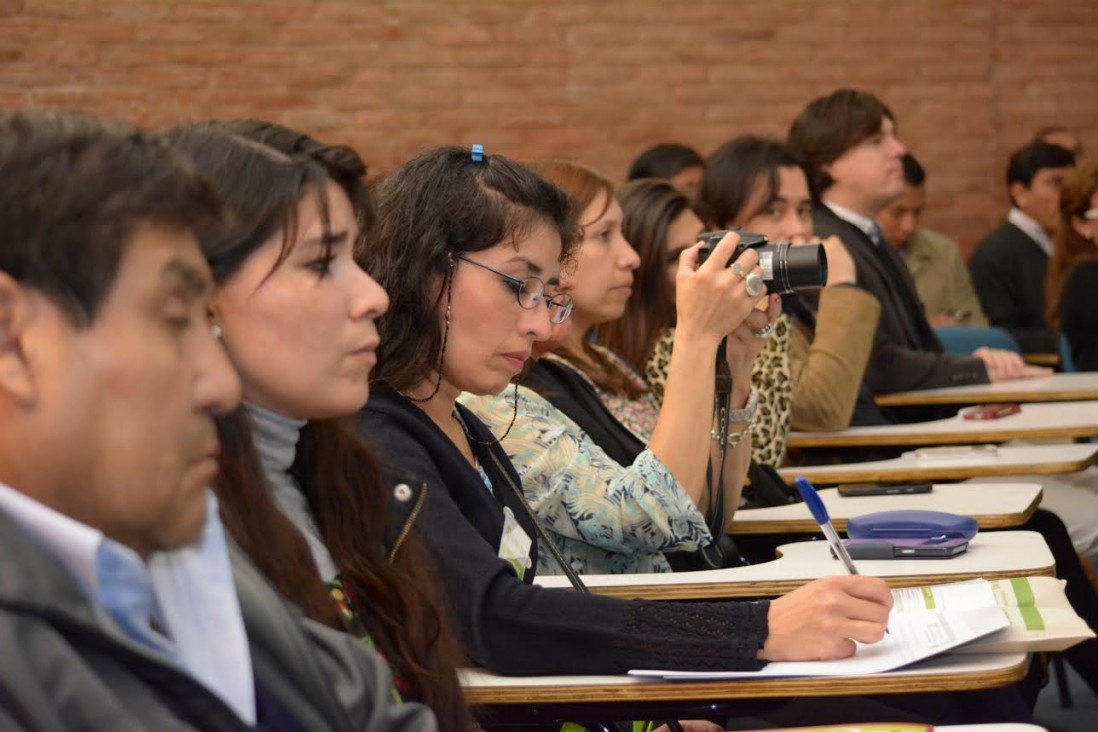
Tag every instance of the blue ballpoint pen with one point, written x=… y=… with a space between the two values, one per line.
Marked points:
x=819 y=512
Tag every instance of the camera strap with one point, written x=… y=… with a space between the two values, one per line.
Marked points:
x=713 y=554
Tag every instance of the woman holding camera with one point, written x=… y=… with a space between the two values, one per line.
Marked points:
x=662 y=454
x=661 y=223
x=755 y=183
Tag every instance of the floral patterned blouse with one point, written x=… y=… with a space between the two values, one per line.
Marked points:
x=605 y=518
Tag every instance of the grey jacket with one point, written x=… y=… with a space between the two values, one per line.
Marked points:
x=64 y=666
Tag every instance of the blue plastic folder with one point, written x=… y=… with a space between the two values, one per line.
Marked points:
x=911 y=525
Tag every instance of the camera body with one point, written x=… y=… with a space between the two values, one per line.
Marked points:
x=786 y=268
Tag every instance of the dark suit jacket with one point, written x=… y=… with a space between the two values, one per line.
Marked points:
x=906 y=353
x=1008 y=270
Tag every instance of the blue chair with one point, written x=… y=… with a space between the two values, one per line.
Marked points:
x=1067 y=361
x=964 y=340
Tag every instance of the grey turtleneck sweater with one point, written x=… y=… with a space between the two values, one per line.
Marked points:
x=276 y=441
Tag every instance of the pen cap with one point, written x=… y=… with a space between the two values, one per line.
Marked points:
x=812 y=500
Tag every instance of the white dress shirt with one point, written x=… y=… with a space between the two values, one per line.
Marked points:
x=1032 y=229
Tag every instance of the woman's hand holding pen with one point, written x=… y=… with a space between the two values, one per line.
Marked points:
x=821 y=620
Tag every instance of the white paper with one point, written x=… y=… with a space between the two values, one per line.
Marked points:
x=969 y=595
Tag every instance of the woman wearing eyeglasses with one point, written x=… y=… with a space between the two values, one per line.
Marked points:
x=617 y=480
x=1073 y=270
x=448 y=225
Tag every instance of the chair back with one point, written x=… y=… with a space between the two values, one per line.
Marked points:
x=1067 y=361
x=964 y=340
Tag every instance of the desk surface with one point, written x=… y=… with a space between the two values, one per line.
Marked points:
x=990 y=727
x=941 y=673
x=1052 y=388
x=993 y=505
x=1008 y=460
x=1058 y=420
x=992 y=555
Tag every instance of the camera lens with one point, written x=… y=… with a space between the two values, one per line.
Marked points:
x=787 y=268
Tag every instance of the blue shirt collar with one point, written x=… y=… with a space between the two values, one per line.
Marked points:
x=181 y=604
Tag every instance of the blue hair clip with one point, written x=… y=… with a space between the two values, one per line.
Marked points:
x=478 y=153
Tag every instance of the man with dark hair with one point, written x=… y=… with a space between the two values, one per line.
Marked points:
x=682 y=166
x=1062 y=136
x=933 y=259
x=1008 y=267
x=847 y=142
x=121 y=607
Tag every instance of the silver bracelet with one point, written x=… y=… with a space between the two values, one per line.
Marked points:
x=734 y=439
x=725 y=417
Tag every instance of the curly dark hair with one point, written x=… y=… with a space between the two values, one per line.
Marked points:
x=440 y=204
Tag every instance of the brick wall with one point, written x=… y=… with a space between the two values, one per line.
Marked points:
x=593 y=80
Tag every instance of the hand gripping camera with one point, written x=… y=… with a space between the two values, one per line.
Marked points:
x=785 y=268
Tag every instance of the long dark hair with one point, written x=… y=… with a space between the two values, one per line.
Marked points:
x=1071 y=247
x=734 y=173
x=648 y=208
x=263 y=171
x=433 y=207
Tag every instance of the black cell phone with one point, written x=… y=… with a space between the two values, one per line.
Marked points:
x=935 y=548
x=883 y=489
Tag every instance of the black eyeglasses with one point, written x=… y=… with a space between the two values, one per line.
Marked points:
x=530 y=291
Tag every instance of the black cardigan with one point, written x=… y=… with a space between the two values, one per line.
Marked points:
x=1079 y=315
x=569 y=392
x=512 y=627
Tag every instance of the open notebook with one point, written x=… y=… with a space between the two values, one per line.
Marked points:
x=975 y=617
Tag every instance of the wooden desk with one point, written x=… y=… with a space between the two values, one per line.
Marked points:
x=941 y=673
x=993 y=505
x=990 y=727
x=1042 y=359
x=1052 y=388
x=1008 y=460
x=998 y=554
x=1060 y=420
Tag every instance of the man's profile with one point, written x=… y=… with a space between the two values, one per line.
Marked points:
x=121 y=607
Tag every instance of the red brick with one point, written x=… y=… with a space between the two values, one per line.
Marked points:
x=969 y=79
x=93 y=31
x=8 y=8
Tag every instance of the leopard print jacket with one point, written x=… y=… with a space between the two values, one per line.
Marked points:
x=771 y=375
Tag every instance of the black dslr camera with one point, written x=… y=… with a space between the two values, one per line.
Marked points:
x=786 y=268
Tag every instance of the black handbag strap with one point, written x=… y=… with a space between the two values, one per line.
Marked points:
x=543 y=535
